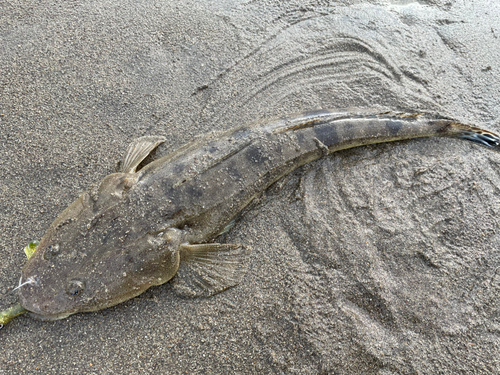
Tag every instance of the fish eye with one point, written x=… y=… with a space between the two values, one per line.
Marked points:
x=75 y=288
x=51 y=252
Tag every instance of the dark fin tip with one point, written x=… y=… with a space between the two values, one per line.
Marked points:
x=481 y=137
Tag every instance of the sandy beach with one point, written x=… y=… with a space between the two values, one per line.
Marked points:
x=378 y=260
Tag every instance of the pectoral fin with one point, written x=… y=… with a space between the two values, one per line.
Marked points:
x=138 y=150
x=207 y=269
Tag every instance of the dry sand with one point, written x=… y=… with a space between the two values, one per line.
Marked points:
x=379 y=260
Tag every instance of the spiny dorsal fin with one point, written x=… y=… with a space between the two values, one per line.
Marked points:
x=207 y=269
x=138 y=150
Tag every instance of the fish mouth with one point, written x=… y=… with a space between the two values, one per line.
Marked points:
x=41 y=312
x=38 y=307
x=48 y=317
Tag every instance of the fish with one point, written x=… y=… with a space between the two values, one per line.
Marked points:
x=155 y=220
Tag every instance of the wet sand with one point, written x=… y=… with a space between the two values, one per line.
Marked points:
x=377 y=260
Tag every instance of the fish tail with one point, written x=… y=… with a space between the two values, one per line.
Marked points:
x=482 y=137
x=476 y=135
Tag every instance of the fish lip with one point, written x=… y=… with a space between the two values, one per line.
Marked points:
x=35 y=311
x=48 y=317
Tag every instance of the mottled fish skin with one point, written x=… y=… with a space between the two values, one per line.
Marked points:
x=136 y=228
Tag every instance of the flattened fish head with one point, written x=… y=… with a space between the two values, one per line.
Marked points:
x=95 y=256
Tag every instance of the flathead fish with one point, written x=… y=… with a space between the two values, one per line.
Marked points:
x=152 y=221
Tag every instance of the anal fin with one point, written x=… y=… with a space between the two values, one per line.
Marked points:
x=207 y=269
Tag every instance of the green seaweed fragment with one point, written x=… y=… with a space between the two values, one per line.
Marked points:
x=9 y=314
x=13 y=311
x=31 y=248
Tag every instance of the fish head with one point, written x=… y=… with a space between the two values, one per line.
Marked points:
x=96 y=255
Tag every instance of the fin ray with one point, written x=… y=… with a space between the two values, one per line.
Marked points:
x=207 y=269
x=138 y=150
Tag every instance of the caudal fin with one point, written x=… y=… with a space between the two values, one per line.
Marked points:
x=481 y=136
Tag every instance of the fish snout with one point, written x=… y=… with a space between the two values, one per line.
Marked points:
x=33 y=297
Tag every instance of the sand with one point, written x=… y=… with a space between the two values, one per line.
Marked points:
x=377 y=260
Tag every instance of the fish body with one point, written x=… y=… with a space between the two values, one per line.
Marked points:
x=145 y=224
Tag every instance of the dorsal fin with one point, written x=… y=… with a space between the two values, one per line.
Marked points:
x=138 y=150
